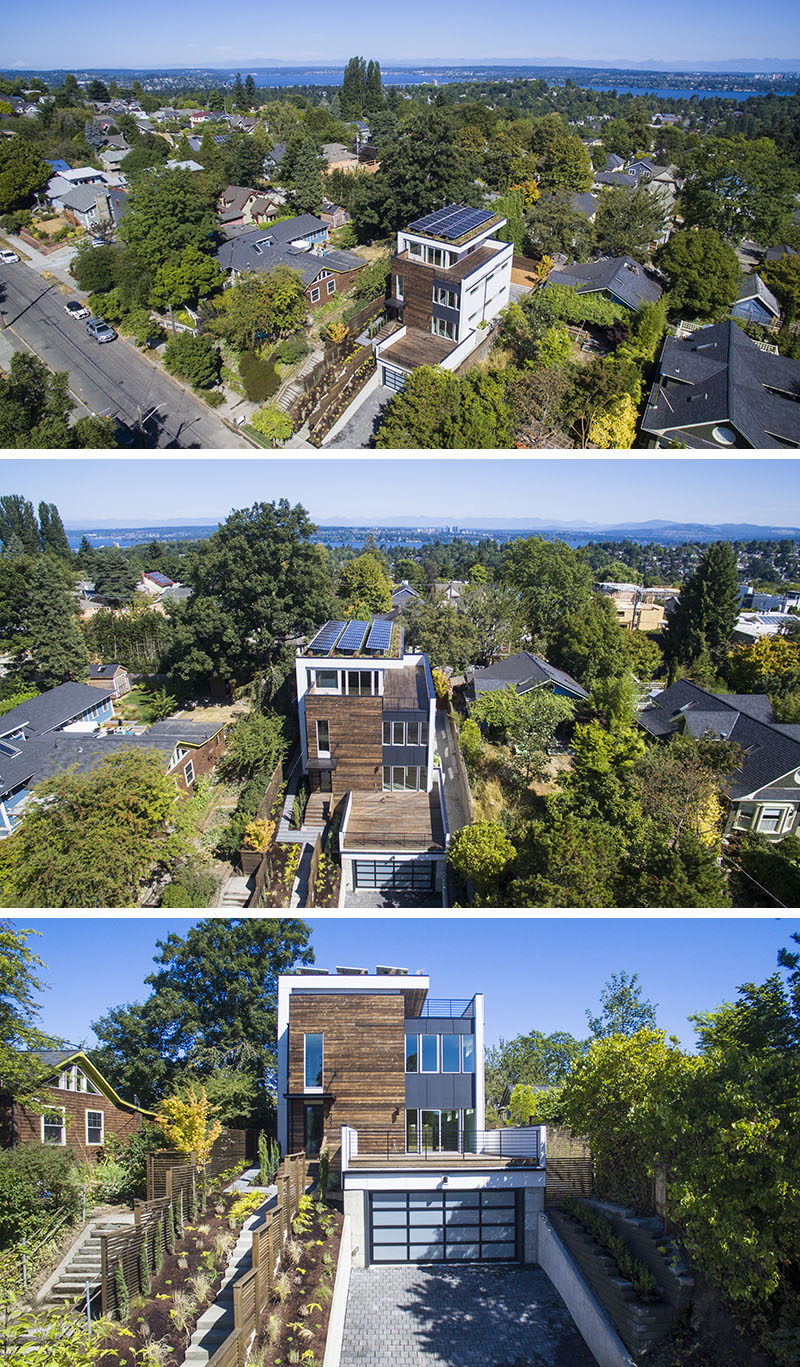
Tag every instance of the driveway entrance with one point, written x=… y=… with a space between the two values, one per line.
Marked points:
x=423 y=1316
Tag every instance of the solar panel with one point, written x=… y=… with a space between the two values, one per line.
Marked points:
x=353 y=638
x=453 y=221
x=380 y=636
x=325 y=637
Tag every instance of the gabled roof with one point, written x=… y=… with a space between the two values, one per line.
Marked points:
x=620 y=179
x=719 y=377
x=71 y=1054
x=584 y=203
x=620 y=276
x=249 y=251
x=753 y=287
x=522 y=671
x=775 y=253
x=108 y=671
x=50 y=710
x=771 y=751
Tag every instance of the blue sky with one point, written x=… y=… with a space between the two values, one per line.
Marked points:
x=53 y=34
x=535 y=973
x=600 y=490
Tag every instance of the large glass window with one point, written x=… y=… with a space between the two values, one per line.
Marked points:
x=430 y=1053
x=359 y=681
x=323 y=738
x=412 y=729
x=451 y=1054
x=468 y=1053
x=449 y=1131
x=387 y=778
x=412 y=1132
x=328 y=678
x=313 y=1062
x=412 y=1053
x=771 y=820
x=397 y=733
x=387 y=733
x=469 y=1131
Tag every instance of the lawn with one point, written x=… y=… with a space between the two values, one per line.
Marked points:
x=135 y=706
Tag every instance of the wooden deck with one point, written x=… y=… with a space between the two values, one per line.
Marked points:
x=452 y=274
x=417 y=348
x=394 y=821
x=459 y=1162
x=405 y=688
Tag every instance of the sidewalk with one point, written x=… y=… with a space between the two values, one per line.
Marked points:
x=56 y=263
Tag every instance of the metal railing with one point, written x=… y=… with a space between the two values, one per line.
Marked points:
x=451 y=1008
x=524 y=1142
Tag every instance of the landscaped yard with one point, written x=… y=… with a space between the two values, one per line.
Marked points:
x=135 y=706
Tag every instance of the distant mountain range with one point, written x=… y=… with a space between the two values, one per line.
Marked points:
x=657 y=527
x=326 y=73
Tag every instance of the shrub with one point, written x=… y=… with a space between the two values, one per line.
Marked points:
x=191 y=886
x=260 y=379
x=123 y=1294
x=145 y=1284
x=37 y=1181
x=109 y=1180
x=257 y=836
x=213 y=397
x=195 y=359
x=272 y=423
x=143 y=328
x=292 y=349
x=132 y=1153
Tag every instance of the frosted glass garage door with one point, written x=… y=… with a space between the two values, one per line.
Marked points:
x=449 y=1226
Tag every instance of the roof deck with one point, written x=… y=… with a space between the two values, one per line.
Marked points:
x=406 y=688
x=456 y=223
x=417 y=348
x=465 y=266
x=396 y=821
x=372 y=639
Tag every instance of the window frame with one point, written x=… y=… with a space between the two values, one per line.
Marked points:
x=422 y=1067
x=58 y=1143
x=314 y=295
x=446 y=1040
x=95 y=1143
x=332 y=286
x=188 y=773
x=307 y=1086
x=401 y=727
x=323 y=751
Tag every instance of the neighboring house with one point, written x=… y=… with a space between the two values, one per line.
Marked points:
x=523 y=672
x=190 y=165
x=111 y=158
x=751 y=601
x=77 y=1108
x=755 y=303
x=392 y=1081
x=451 y=277
x=585 y=204
x=154 y=582
x=765 y=790
x=114 y=676
x=404 y=594
x=451 y=590
x=616 y=180
x=618 y=278
x=240 y=206
x=275 y=157
x=86 y=206
x=635 y=611
x=367 y=724
x=779 y=252
x=614 y=162
x=58 y=165
x=718 y=389
x=333 y=214
x=751 y=626
x=300 y=244
x=339 y=158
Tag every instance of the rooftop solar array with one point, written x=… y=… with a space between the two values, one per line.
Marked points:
x=353 y=638
x=452 y=222
x=380 y=636
x=326 y=637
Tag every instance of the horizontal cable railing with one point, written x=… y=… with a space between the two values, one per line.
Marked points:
x=448 y=1007
x=517 y=1143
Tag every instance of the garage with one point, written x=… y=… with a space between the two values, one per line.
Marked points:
x=393 y=379
x=444 y=1226
x=414 y=874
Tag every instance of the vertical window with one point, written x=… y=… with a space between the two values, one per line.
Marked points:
x=398 y=778
x=94 y=1127
x=397 y=733
x=430 y=1053
x=449 y=1131
x=331 y=287
x=412 y=729
x=315 y=296
x=188 y=773
x=469 y=1131
x=399 y=283
x=412 y=1132
x=468 y=1053
x=423 y=778
x=771 y=820
x=412 y=1053
x=312 y=1062
x=387 y=778
x=451 y=1054
x=387 y=733
x=53 y=1127
x=423 y=733
x=323 y=738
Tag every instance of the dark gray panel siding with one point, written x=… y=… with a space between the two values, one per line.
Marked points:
x=440 y=1091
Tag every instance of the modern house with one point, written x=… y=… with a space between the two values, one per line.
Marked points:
x=451 y=276
x=367 y=723
x=299 y=243
x=618 y=278
x=154 y=582
x=392 y=1082
x=524 y=672
x=765 y=790
x=755 y=303
x=718 y=389
x=77 y=1108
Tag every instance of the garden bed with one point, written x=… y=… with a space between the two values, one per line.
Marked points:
x=294 y=1328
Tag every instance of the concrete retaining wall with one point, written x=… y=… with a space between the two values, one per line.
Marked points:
x=341 y=1286
x=590 y=1318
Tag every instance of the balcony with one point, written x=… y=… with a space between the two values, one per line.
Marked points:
x=448 y=1008
x=518 y=1147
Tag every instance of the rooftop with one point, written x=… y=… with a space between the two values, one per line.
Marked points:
x=455 y=223
x=417 y=348
x=623 y=277
x=407 y=821
x=376 y=638
x=466 y=265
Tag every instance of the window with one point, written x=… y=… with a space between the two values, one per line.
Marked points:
x=312 y=1069
x=415 y=249
x=328 y=678
x=314 y=296
x=412 y=1132
x=359 y=681
x=387 y=733
x=387 y=778
x=331 y=287
x=53 y=1125
x=423 y=735
x=448 y=298
x=188 y=773
x=423 y=778
x=398 y=778
x=323 y=738
x=412 y=1053
x=744 y=818
x=412 y=731
x=451 y=1054
x=399 y=284
x=771 y=820
x=443 y=329
x=94 y=1127
x=430 y=1053
x=468 y=1054
x=397 y=733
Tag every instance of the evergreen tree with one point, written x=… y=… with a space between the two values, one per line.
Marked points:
x=704 y=619
x=238 y=93
x=373 y=94
x=250 y=97
x=302 y=176
x=51 y=531
x=18 y=518
x=58 y=650
x=354 y=86
x=215 y=101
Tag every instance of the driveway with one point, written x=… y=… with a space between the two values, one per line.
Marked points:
x=111 y=380
x=476 y=1316
x=359 y=430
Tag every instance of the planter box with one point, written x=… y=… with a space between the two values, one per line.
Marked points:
x=250 y=861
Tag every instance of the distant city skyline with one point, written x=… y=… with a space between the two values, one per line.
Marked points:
x=607 y=491
x=182 y=34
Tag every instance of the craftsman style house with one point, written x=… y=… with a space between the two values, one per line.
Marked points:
x=76 y=1107
x=367 y=722
x=451 y=276
x=392 y=1082
x=524 y=672
x=300 y=243
x=764 y=792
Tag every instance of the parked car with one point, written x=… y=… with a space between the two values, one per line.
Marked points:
x=7 y=257
x=100 y=330
x=76 y=309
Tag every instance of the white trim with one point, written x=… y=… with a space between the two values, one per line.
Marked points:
x=188 y=773
x=59 y=1143
x=94 y=1143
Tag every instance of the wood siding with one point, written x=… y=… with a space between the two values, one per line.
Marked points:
x=343 y=281
x=417 y=292
x=363 y=1062
x=356 y=738
x=27 y=1125
x=203 y=758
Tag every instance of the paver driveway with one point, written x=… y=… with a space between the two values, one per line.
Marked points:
x=479 y=1316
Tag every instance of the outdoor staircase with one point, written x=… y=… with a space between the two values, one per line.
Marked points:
x=293 y=387
x=236 y=891
x=318 y=812
x=384 y=332
x=81 y=1266
x=216 y=1322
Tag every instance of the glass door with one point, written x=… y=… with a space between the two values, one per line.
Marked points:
x=313 y=1128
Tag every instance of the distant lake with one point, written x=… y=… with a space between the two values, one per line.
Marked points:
x=662 y=93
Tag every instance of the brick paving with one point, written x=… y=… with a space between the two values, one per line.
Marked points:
x=478 y=1316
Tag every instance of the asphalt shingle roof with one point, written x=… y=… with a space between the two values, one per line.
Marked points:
x=52 y=709
x=619 y=275
x=244 y=252
x=520 y=670
x=104 y=671
x=719 y=376
x=753 y=287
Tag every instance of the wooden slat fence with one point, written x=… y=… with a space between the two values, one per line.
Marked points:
x=229 y=1149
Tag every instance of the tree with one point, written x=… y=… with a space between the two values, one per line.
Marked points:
x=553 y=227
x=20 y=985
x=677 y=784
x=437 y=409
x=92 y=837
x=115 y=576
x=18 y=519
x=186 y=279
x=537 y=715
x=522 y=1104
x=250 y=94
x=704 y=272
x=569 y=862
x=35 y=407
x=51 y=531
x=263 y=304
x=598 y=787
x=495 y=612
x=301 y=173
x=373 y=89
x=195 y=359
x=481 y=854
x=57 y=647
x=783 y=278
x=212 y=1004
x=770 y=665
x=550 y=577
x=707 y=610
x=354 y=88
x=740 y=187
x=627 y=222
x=93 y=268
x=421 y=169
x=535 y=1060
x=167 y=212
x=259 y=582
x=23 y=170
x=588 y=642
x=191 y=1124
x=412 y=572
x=256 y=744
x=644 y=654
x=442 y=632
x=614 y=428
x=624 y=1011
x=215 y=102
x=364 y=586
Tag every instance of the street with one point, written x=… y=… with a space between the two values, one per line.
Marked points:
x=111 y=379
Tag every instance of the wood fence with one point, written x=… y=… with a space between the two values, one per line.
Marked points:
x=229 y=1149
x=251 y=859
x=313 y=871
